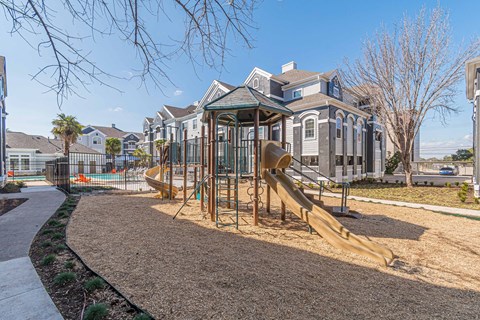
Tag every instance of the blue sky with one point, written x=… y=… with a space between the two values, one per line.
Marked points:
x=316 y=34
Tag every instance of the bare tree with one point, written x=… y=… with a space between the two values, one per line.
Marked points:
x=208 y=25
x=408 y=73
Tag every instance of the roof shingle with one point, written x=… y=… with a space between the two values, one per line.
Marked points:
x=294 y=75
x=180 y=112
x=20 y=140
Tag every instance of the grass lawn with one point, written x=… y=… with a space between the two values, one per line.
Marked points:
x=434 y=195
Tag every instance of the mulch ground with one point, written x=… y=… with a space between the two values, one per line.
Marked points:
x=72 y=299
x=10 y=204
x=189 y=269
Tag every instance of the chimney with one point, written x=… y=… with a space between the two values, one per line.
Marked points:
x=113 y=125
x=292 y=65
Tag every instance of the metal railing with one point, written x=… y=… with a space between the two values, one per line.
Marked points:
x=345 y=185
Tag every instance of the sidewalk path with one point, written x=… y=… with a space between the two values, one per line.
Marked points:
x=22 y=295
x=449 y=210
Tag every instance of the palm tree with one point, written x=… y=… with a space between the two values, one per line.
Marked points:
x=143 y=156
x=113 y=146
x=68 y=129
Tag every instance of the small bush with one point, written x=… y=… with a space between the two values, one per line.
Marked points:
x=53 y=223
x=463 y=198
x=396 y=181
x=46 y=244
x=431 y=183
x=57 y=236
x=448 y=184
x=69 y=264
x=425 y=182
x=477 y=201
x=381 y=180
x=10 y=187
x=64 y=278
x=48 y=260
x=96 y=311
x=457 y=183
x=60 y=247
x=47 y=231
x=21 y=184
x=401 y=182
x=94 y=284
x=62 y=214
x=142 y=316
x=416 y=183
x=310 y=185
x=386 y=181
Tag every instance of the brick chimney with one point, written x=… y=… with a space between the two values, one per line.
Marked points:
x=113 y=125
x=292 y=65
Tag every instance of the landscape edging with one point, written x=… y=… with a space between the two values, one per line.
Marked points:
x=99 y=275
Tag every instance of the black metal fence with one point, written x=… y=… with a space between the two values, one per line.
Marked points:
x=57 y=173
x=125 y=172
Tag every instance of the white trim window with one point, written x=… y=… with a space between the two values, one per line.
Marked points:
x=309 y=131
x=256 y=83
x=296 y=94
x=97 y=140
x=339 y=127
x=194 y=124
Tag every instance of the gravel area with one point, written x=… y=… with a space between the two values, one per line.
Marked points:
x=189 y=269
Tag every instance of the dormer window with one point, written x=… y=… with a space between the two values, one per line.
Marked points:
x=297 y=94
x=255 y=83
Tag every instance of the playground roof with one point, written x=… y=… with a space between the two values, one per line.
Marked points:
x=242 y=100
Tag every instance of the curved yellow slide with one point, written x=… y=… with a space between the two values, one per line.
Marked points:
x=318 y=218
x=154 y=179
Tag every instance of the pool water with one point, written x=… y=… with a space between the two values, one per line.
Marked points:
x=27 y=178
x=103 y=176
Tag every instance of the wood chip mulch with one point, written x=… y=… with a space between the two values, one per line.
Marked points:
x=189 y=269
x=72 y=299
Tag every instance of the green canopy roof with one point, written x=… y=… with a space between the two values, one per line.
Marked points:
x=242 y=101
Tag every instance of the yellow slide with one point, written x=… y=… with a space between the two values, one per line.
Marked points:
x=273 y=157
x=154 y=179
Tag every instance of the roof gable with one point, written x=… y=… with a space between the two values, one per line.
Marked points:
x=212 y=92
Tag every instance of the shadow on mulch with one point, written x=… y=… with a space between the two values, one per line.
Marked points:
x=380 y=226
x=9 y=204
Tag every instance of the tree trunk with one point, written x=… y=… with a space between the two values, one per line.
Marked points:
x=407 y=168
x=67 y=148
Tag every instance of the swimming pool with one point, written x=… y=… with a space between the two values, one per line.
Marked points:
x=27 y=178
x=103 y=176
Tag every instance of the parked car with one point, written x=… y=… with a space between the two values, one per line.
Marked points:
x=447 y=171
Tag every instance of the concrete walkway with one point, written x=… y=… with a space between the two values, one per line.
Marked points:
x=22 y=295
x=448 y=210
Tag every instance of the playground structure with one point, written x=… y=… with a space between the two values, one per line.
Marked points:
x=155 y=177
x=234 y=152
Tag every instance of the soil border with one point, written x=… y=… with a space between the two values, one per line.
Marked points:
x=71 y=296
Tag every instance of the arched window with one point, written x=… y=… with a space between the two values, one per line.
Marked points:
x=255 y=83
x=309 y=128
x=97 y=140
x=339 y=126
